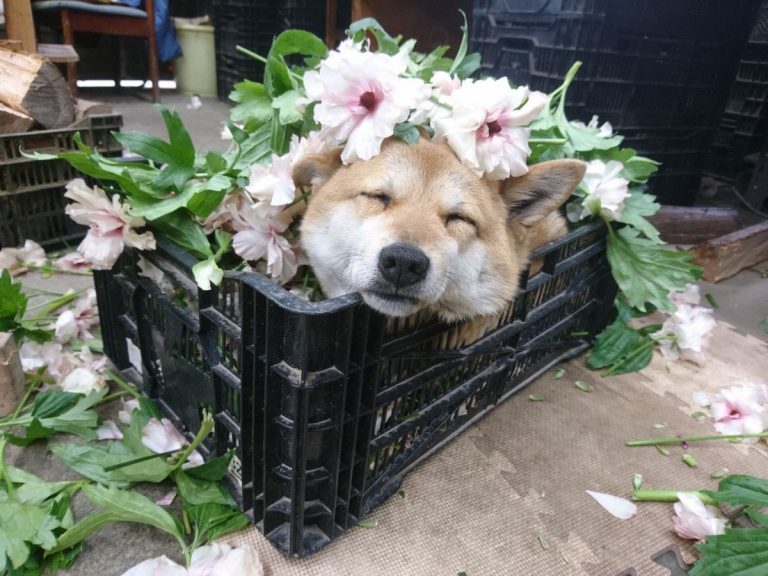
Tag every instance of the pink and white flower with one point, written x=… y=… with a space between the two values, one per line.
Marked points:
x=694 y=520
x=83 y=381
x=259 y=237
x=217 y=559
x=361 y=98
x=487 y=126
x=438 y=106
x=273 y=182
x=128 y=407
x=606 y=190
x=72 y=262
x=686 y=332
x=739 y=410
x=603 y=131
x=109 y=431
x=161 y=437
x=77 y=322
x=111 y=227
x=19 y=259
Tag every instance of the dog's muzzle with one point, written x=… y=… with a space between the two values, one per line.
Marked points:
x=403 y=265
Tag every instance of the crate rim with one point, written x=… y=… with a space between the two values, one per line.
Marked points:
x=286 y=300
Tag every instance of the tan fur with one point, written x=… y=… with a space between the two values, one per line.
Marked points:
x=477 y=233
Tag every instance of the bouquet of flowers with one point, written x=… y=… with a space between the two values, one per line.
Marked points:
x=239 y=208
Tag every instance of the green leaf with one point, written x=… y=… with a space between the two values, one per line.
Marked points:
x=96 y=166
x=213 y=470
x=462 y=51
x=586 y=139
x=53 y=403
x=690 y=461
x=256 y=148
x=214 y=520
x=536 y=398
x=277 y=78
x=285 y=104
x=146 y=146
x=195 y=492
x=384 y=41
x=13 y=302
x=181 y=229
x=637 y=206
x=583 y=386
x=738 y=552
x=91 y=462
x=179 y=139
x=742 y=490
x=639 y=169
x=32 y=490
x=174 y=176
x=764 y=325
x=215 y=163
x=407 y=132
x=119 y=506
x=645 y=271
x=254 y=104
x=620 y=348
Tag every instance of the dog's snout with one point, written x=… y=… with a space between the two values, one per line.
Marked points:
x=403 y=264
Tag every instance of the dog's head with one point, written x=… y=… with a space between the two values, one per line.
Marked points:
x=413 y=229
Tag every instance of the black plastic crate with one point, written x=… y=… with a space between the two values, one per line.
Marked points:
x=254 y=25
x=327 y=405
x=647 y=64
x=32 y=191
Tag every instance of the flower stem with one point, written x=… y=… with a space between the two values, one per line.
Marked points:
x=127 y=388
x=661 y=441
x=34 y=381
x=3 y=475
x=55 y=304
x=547 y=140
x=669 y=496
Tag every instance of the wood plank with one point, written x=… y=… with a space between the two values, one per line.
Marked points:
x=12 y=121
x=20 y=25
x=693 y=225
x=35 y=87
x=87 y=108
x=11 y=374
x=58 y=53
x=725 y=256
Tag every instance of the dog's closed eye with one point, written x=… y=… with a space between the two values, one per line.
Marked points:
x=456 y=218
x=383 y=199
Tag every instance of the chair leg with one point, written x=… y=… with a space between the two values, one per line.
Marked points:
x=117 y=61
x=69 y=38
x=154 y=69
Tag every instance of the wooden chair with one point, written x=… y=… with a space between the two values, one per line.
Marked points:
x=110 y=19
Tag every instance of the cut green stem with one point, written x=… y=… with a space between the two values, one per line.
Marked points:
x=122 y=384
x=662 y=441
x=669 y=496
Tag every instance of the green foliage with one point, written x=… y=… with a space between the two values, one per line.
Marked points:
x=620 y=349
x=13 y=305
x=645 y=271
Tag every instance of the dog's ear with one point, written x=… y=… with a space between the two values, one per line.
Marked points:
x=542 y=190
x=316 y=169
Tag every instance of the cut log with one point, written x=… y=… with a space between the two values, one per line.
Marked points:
x=35 y=87
x=11 y=374
x=692 y=225
x=12 y=121
x=725 y=256
x=87 y=108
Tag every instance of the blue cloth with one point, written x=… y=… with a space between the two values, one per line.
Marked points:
x=168 y=47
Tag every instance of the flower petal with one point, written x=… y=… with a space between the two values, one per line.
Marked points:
x=619 y=507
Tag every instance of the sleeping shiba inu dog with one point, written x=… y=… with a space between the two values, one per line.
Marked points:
x=414 y=231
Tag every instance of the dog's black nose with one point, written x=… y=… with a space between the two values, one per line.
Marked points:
x=403 y=264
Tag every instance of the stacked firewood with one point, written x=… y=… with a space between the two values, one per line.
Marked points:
x=33 y=93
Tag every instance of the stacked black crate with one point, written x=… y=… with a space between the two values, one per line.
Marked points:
x=253 y=25
x=659 y=71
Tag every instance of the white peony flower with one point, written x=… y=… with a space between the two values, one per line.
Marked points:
x=487 y=126
x=694 y=520
x=129 y=406
x=361 y=98
x=739 y=410
x=82 y=381
x=111 y=228
x=604 y=131
x=606 y=190
x=161 y=436
x=259 y=237
x=686 y=333
x=77 y=323
x=19 y=259
x=273 y=182
x=217 y=559
x=438 y=106
x=109 y=431
x=72 y=262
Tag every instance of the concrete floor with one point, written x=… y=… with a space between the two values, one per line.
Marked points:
x=743 y=302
